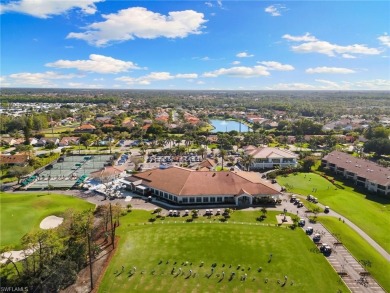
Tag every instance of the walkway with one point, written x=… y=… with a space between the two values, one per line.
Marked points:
x=351 y=271
x=372 y=242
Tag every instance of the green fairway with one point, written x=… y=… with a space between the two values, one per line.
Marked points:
x=371 y=214
x=360 y=249
x=155 y=249
x=21 y=213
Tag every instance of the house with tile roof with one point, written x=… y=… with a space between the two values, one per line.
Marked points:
x=69 y=140
x=269 y=157
x=85 y=128
x=207 y=164
x=184 y=186
x=14 y=160
x=362 y=172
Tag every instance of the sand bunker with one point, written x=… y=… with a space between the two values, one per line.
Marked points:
x=51 y=222
x=15 y=255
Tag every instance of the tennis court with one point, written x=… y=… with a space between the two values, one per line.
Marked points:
x=67 y=172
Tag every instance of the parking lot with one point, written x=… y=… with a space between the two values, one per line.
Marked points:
x=190 y=158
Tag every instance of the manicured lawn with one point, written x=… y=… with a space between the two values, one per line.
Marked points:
x=57 y=130
x=361 y=250
x=155 y=249
x=23 y=212
x=371 y=214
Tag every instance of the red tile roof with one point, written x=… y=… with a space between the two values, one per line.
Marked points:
x=186 y=182
x=14 y=159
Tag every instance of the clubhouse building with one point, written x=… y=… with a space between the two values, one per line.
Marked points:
x=362 y=172
x=268 y=158
x=184 y=186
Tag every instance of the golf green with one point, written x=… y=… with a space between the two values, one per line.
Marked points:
x=21 y=213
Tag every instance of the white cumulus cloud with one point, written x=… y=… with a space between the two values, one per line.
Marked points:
x=385 y=39
x=138 y=22
x=310 y=44
x=46 y=8
x=273 y=65
x=322 y=84
x=96 y=63
x=348 y=56
x=239 y=71
x=40 y=79
x=81 y=85
x=155 y=76
x=329 y=84
x=292 y=86
x=335 y=70
x=244 y=55
x=275 y=10
x=305 y=38
x=236 y=62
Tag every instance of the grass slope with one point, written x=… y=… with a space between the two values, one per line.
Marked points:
x=154 y=248
x=21 y=213
x=379 y=268
x=371 y=214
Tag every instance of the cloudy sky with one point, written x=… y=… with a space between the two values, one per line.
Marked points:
x=232 y=45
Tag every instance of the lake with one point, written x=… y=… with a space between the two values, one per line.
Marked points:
x=227 y=125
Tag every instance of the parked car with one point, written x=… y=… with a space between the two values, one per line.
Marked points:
x=301 y=222
x=326 y=210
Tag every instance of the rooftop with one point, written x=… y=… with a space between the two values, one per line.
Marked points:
x=186 y=182
x=361 y=167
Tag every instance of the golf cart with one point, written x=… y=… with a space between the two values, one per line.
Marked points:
x=326 y=210
x=317 y=237
x=309 y=230
x=326 y=249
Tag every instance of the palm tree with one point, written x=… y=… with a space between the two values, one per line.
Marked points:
x=247 y=160
x=223 y=153
x=201 y=151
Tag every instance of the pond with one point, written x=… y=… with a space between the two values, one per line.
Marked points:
x=228 y=125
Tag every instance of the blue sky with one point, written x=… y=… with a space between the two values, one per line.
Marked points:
x=230 y=45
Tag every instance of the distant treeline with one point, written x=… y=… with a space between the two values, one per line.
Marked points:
x=60 y=99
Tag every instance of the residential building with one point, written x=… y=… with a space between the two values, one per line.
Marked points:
x=45 y=140
x=184 y=186
x=85 y=128
x=207 y=164
x=14 y=160
x=362 y=172
x=269 y=157
x=69 y=140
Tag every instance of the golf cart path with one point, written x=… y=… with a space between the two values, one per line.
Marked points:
x=363 y=234
x=349 y=269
